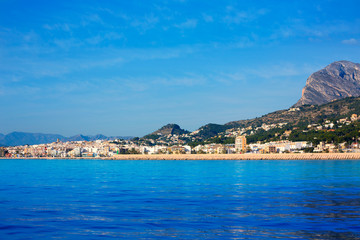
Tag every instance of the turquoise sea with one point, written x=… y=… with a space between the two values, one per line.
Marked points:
x=142 y=199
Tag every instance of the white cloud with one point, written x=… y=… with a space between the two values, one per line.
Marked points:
x=235 y=16
x=299 y=28
x=136 y=85
x=69 y=27
x=59 y=26
x=31 y=37
x=272 y=71
x=145 y=23
x=67 y=43
x=189 y=23
x=229 y=78
x=187 y=81
x=91 y=18
x=100 y=38
x=351 y=41
x=20 y=90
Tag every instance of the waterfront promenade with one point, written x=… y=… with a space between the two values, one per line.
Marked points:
x=288 y=156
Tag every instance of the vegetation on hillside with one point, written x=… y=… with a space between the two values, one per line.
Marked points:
x=290 y=124
x=345 y=133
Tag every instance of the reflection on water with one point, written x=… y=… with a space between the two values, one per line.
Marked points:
x=90 y=199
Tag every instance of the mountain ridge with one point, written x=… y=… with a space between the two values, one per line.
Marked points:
x=291 y=118
x=23 y=138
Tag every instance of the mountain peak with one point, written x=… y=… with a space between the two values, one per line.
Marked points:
x=170 y=128
x=338 y=80
x=342 y=65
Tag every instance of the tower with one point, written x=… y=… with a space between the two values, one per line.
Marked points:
x=240 y=144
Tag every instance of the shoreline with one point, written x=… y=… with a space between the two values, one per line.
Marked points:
x=287 y=156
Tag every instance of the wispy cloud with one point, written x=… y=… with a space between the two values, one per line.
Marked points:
x=351 y=41
x=273 y=71
x=136 y=86
x=30 y=68
x=229 y=78
x=300 y=28
x=91 y=18
x=30 y=37
x=189 y=23
x=185 y=81
x=66 y=27
x=67 y=43
x=157 y=53
x=23 y=90
x=145 y=23
x=235 y=16
x=107 y=36
x=207 y=18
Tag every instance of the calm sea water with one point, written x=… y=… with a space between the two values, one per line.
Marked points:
x=96 y=199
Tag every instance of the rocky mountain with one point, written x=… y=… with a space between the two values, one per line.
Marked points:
x=21 y=138
x=336 y=81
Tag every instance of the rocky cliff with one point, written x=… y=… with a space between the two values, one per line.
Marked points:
x=336 y=81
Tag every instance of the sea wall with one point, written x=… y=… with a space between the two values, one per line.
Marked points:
x=297 y=156
x=288 y=156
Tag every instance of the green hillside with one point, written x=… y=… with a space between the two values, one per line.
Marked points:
x=307 y=114
x=306 y=123
x=297 y=121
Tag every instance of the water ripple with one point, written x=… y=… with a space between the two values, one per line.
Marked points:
x=92 y=199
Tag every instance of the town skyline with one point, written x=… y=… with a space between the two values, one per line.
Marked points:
x=128 y=68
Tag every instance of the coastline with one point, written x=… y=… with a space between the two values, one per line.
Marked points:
x=288 y=156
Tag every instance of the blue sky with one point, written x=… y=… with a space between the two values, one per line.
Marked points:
x=129 y=67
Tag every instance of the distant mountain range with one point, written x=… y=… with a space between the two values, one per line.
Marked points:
x=22 y=138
